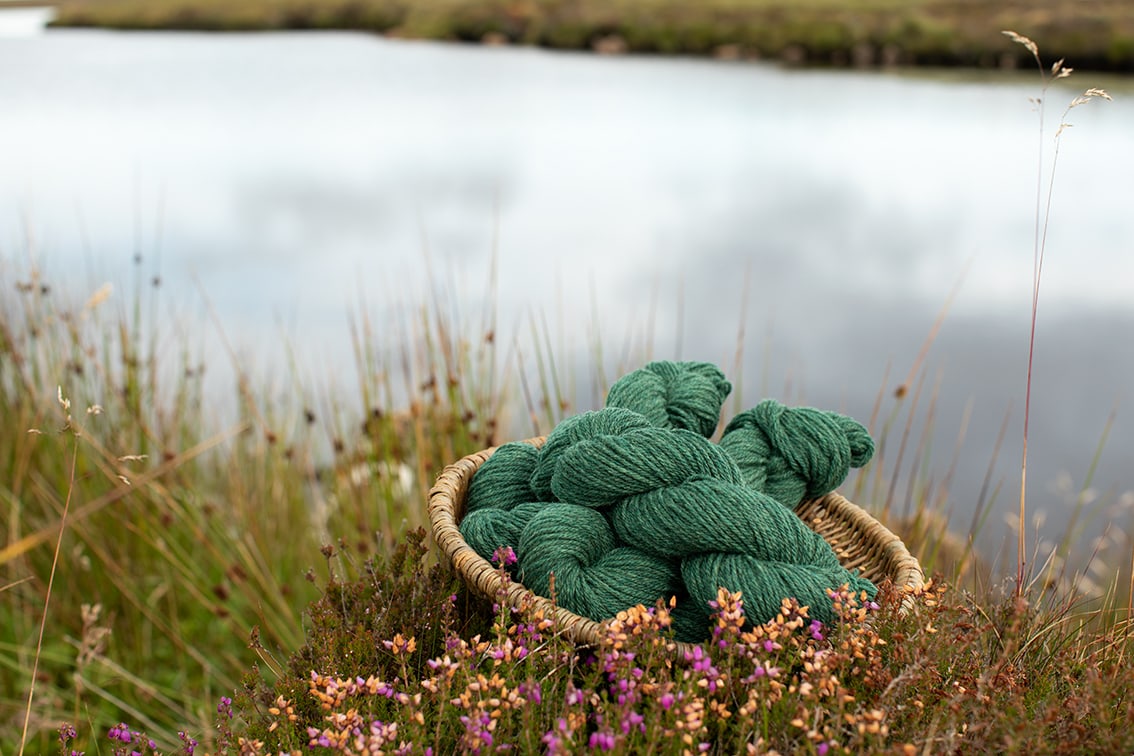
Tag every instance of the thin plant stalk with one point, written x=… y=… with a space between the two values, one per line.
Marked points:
x=1039 y=246
x=51 y=577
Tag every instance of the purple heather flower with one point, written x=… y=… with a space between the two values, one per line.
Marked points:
x=225 y=706
x=574 y=695
x=190 y=743
x=531 y=692
x=603 y=741
x=318 y=738
x=666 y=701
x=822 y=749
x=633 y=720
x=504 y=556
x=816 y=630
x=67 y=733
x=552 y=740
x=121 y=733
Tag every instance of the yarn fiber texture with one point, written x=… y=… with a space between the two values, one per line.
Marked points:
x=686 y=395
x=501 y=482
x=604 y=470
x=594 y=576
x=795 y=454
x=611 y=421
x=633 y=504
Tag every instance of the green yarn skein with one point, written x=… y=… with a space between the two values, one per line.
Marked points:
x=705 y=515
x=593 y=576
x=490 y=528
x=504 y=480
x=765 y=584
x=612 y=421
x=687 y=395
x=607 y=469
x=795 y=454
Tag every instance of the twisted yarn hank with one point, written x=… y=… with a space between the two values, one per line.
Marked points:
x=491 y=528
x=765 y=583
x=704 y=515
x=594 y=577
x=504 y=480
x=686 y=395
x=795 y=454
x=611 y=421
x=606 y=469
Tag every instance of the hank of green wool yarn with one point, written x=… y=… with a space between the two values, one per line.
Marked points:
x=606 y=469
x=605 y=422
x=687 y=395
x=504 y=480
x=795 y=454
x=593 y=577
x=703 y=514
x=764 y=584
x=490 y=528
x=625 y=577
x=562 y=540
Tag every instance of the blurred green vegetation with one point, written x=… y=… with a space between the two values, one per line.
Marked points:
x=1095 y=33
x=168 y=541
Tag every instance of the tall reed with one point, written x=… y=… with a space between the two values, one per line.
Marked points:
x=1039 y=247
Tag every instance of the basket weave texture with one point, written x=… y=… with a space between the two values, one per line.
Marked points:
x=860 y=542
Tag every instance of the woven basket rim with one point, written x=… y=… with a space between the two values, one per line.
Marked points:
x=860 y=541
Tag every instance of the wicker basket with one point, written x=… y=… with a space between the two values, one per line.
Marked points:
x=860 y=542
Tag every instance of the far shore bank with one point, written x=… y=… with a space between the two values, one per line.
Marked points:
x=1089 y=34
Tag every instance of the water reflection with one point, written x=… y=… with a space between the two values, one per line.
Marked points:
x=645 y=200
x=24 y=22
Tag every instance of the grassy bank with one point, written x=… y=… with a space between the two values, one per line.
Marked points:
x=194 y=572
x=1095 y=33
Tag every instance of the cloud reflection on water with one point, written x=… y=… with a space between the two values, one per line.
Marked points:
x=292 y=174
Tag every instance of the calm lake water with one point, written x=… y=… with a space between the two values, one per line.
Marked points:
x=658 y=205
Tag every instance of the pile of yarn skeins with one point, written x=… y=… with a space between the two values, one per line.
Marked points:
x=633 y=503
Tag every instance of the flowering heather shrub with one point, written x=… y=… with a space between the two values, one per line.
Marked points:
x=943 y=675
x=425 y=687
x=401 y=595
